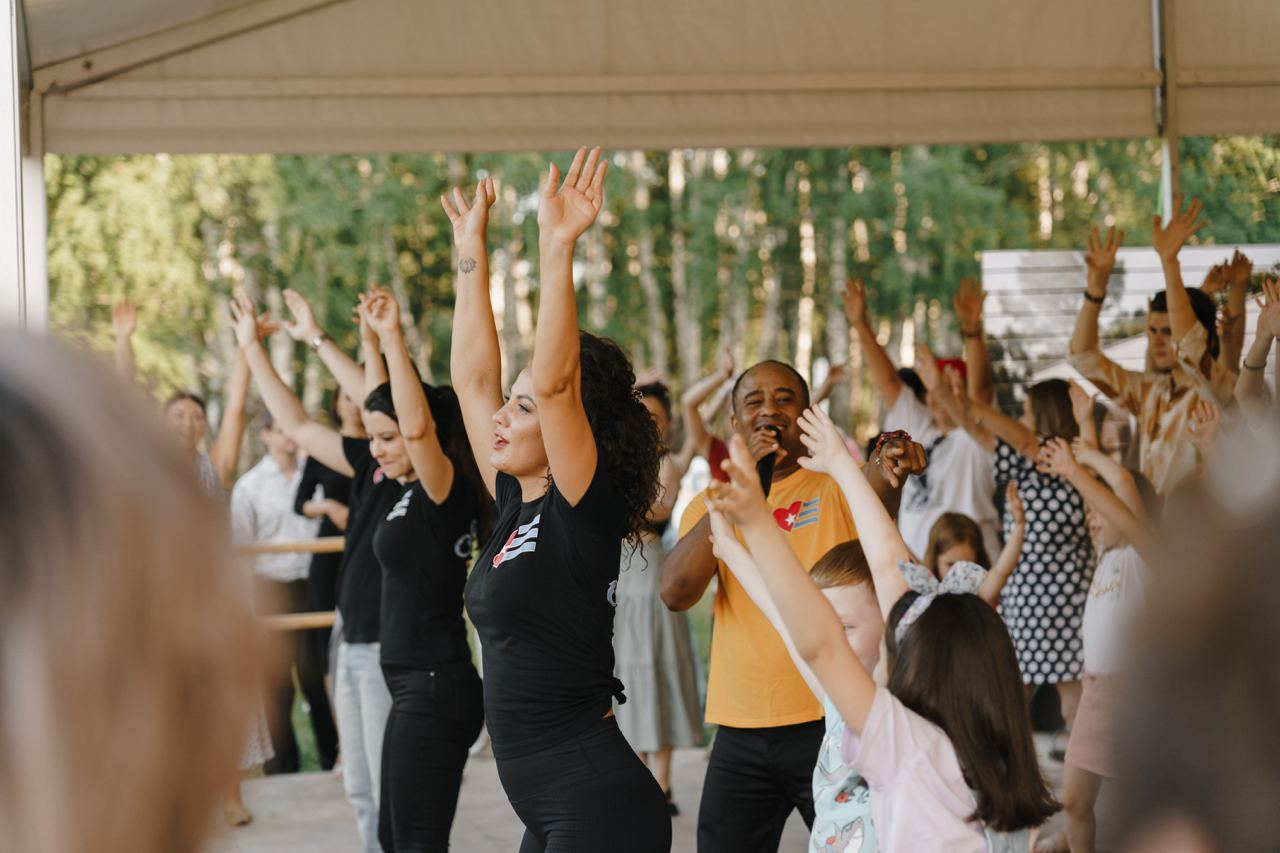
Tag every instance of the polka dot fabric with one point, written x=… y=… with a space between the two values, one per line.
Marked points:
x=1043 y=602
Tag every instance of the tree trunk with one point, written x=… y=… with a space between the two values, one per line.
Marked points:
x=419 y=344
x=687 y=309
x=595 y=276
x=770 y=320
x=808 y=275
x=838 y=349
x=647 y=276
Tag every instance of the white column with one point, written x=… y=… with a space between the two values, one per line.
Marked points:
x=35 y=222
x=13 y=295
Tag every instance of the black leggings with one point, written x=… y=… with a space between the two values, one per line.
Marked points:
x=435 y=716
x=587 y=795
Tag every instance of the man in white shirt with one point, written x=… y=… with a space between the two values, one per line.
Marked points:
x=262 y=510
x=961 y=473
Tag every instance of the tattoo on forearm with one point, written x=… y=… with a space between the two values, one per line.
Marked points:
x=467 y=265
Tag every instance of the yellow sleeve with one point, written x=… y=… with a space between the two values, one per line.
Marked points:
x=693 y=513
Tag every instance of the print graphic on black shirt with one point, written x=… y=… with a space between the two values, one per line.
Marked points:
x=542 y=597
x=523 y=540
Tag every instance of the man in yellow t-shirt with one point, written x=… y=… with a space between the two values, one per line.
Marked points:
x=761 y=765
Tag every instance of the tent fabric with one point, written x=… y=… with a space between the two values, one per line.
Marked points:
x=326 y=76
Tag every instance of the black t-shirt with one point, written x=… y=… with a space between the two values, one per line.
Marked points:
x=336 y=487
x=373 y=494
x=424 y=549
x=542 y=596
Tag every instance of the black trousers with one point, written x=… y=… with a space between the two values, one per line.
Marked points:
x=755 y=777
x=301 y=653
x=322 y=595
x=587 y=795
x=436 y=715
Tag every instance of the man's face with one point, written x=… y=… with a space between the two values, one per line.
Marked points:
x=1160 y=341
x=276 y=442
x=770 y=397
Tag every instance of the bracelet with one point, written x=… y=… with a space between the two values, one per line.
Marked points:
x=1096 y=300
x=965 y=333
x=318 y=341
x=1248 y=366
x=886 y=437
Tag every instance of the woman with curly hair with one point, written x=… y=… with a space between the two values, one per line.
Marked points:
x=572 y=459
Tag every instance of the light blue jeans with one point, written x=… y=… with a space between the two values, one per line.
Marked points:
x=361 y=702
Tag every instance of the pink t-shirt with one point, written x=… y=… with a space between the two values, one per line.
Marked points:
x=921 y=801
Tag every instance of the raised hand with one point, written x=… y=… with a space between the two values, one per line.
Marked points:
x=1013 y=500
x=564 y=213
x=926 y=368
x=824 y=442
x=727 y=366
x=1202 y=429
x=899 y=458
x=470 y=221
x=855 y=302
x=837 y=373
x=1056 y=458
x=382 y=312
x=249 y=326
x=741 y=499
x=1215 y=280
x=1269 y=305
x=303 y=325
x=1169 y=239
x=966 y=302
x=124 y=319
x=1081 y=402
x=724 y=543
x=1239 y=269
x=1101 y=258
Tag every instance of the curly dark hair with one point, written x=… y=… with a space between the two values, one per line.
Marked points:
x=627 y=443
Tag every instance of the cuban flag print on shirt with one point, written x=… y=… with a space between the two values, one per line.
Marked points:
x=799 y=514
x=523 y=540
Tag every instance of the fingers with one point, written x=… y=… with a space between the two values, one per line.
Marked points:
x=583 y=180
x=460 y=202
x=596 y=189
x=448 y=208
x=575 y=169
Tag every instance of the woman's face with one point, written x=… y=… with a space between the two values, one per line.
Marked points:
x=188 y=423
x=517 y=433
x=962 y=552
x=659 y=415
x=386 y=445
x=348 y=413
x=1105 y=535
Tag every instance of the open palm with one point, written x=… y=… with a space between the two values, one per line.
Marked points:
x=564 y=213
x=470 y=220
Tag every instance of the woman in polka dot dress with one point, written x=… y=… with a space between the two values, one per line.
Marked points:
x=1043 y=602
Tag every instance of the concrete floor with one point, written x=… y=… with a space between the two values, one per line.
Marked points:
x=308 y=812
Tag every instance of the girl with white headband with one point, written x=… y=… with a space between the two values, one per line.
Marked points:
x=946 y=747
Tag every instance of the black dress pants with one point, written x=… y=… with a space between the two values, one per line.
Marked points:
x=755 y=777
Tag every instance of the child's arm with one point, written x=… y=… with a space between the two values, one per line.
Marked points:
x=964 y=411
x=1082 y=408
x=1113 y=473
x=1002 y=570
x=812 y=623
x=881 y=541
x=1058 y=459
x=735 y=556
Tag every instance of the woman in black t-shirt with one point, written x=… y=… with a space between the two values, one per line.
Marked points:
x=572 y=457
x=425 y=545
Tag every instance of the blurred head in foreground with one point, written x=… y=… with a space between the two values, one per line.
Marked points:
x=1198 y=748
x=127 y=651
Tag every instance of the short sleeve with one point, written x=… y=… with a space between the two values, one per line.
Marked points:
x=601 y=509
x=307 y=485
x=895 y=739
x=908 y=413
x=1010 y=464
x=506 y=491
x=1124 y=387
x=357 y=452
x=693 y=513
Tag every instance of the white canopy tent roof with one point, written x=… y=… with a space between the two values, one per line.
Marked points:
x=313 y=76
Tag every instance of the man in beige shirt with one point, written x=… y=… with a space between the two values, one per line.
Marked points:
x=1182 y=351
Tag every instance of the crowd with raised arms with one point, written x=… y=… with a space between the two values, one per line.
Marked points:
x=881 y=620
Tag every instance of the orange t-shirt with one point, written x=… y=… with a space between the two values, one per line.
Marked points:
x=752 y=682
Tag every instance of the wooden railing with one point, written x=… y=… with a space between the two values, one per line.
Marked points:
x=297 y=621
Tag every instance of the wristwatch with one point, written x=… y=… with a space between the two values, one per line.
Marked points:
x=318 y=341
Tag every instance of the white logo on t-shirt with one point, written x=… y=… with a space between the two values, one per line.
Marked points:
x=523 y=540
x=401 y=509
x=462 y=548
x=612 y=595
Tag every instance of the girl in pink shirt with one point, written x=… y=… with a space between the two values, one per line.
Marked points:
x=946 y=747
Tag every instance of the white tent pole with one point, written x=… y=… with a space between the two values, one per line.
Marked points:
x=1170 y=159
x=13 y=295
x=35 y=217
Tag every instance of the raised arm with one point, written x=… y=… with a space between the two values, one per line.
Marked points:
x=1168 y=240
x=881 y=541
x=884 y=376
x=967 y=304
x=1252 y=383
x=810 y=621
x=1057 y=458
x=1082 y=407
x=1100 y=261
x=475 y=360
x=835 y=375
x=564 y=213
x=303 y=326
x=286 y=409
x=736 y=557
x=375 y=368
x=1231 y=327
x=697 y=440
x=225 y=452
x=947 y=388
x=417 y=427
x=1000 y=572
x=124 y=322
